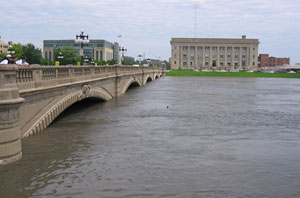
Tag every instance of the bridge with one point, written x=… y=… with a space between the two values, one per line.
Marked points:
x=32 y=97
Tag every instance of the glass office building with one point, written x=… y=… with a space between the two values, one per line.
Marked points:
x=95 y=49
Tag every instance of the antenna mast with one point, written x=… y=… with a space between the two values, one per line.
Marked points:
x=196 y=9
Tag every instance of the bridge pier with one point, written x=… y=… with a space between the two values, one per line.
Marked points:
x=10 y=102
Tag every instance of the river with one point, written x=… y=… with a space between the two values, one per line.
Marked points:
x=176 y=137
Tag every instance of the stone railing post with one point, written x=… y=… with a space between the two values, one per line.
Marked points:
x=10 y=102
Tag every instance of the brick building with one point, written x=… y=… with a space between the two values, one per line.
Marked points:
x=264 y=60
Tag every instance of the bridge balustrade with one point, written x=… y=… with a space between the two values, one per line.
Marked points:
x=37 y=76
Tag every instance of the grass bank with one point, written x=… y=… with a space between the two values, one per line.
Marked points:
x=232 y=74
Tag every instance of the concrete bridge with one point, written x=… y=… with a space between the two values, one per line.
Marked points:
x=32 y=97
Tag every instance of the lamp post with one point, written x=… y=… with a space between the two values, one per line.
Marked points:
x=10 y=50
x=82 y=39
x=140 y=59
x=86 y=59
x=122 y=50
x=60 y=57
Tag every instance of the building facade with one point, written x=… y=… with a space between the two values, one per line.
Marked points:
x=264 y=60
x=95 y=49
x=214 y=54
x=3 y=47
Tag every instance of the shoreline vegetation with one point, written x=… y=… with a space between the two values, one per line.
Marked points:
x=242 y=74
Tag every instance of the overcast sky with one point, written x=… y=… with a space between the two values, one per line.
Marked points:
x=147 y=26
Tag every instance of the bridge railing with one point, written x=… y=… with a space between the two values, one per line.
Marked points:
x=37 y=76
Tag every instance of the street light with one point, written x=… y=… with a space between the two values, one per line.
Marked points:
x=82 y=39
x=10 y=50
x=60 y=57
x=86 y=59
x=140 y=59
x=122 y=50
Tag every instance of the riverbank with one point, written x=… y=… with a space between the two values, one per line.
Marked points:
x=232 y=74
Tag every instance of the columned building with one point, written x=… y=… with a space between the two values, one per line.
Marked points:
x=95 y=49
x=214 y=54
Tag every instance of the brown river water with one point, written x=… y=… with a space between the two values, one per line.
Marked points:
x=176 y=137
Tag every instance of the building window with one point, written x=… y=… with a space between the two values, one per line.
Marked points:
x=235 y=64
x=206 y=63
x=97 y=55
x=192 y=48
x=228 y=56
x=222 y=48
x=175 y=62
x=253 y=63
x=207 y=48
x=199 y=57
x=101 y=55
x=228 y=63
x=199 y=48
x=214 y=48
x=185 y=48
x=192 y=63
x=175 y=55
x=50 y=56
x=199 y=63
x=46 y=55
x=229 y=49
x=243 y=56
x=253 y=49
x=243 y=63
x=221 y=56
x=221 y=64
x=184 y=63
x=214 y=56
x=244 y=49
x=236 y=56
x=206 y=55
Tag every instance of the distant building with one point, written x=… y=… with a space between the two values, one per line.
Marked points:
x=3 y=47
x=95 y=49
x=155 y=63
x=265 y=61
x=214 y=53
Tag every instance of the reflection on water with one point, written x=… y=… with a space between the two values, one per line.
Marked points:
x=175 y=137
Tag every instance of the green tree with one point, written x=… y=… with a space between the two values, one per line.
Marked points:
x=46 y=62
x=112 y=62
x=70 y=55
x=128 y=60
x=100 y=62
x=18 y=50
x=34 y=55
x=2 y=56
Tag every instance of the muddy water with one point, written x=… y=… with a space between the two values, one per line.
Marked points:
x=175 y=137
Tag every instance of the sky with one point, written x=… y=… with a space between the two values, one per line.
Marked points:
x=147 y=26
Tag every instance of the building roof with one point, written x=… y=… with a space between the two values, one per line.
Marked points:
x=3 y=43
x=215 y=40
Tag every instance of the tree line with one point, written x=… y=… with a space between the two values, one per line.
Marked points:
x=70 y=56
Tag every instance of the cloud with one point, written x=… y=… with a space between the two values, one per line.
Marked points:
x=149 y=25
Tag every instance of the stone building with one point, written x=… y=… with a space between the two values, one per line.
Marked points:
x=214 y=53
x=3 y=47
x=96 y=49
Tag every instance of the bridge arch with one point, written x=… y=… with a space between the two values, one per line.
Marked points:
x=130 y=82
x=47 y=118
x=147 y=78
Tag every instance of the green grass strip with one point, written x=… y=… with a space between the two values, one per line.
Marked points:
x=232 y=74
